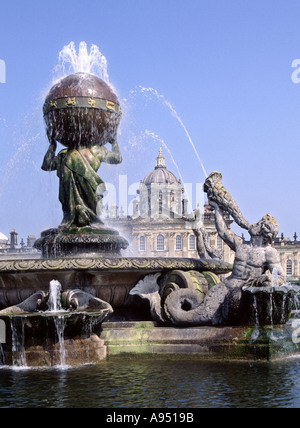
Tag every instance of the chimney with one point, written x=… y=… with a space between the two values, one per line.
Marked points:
x=13 y=240
x=30 y=241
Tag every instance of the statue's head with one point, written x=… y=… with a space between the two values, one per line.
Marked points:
x=266 y=227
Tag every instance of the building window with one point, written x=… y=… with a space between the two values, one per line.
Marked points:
x=289 y=267
x=160 y=202
x=178 y=243
x=160 y=243
x=192 y=243
x=172 y=204
x=219 y=243
x=142 y=243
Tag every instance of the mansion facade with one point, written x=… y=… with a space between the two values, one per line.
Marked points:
x=289 y=252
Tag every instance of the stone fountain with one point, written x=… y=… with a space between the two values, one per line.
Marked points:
x=82 y=254
x=157 y=306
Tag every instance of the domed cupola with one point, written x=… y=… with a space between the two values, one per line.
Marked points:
x=160 y=192
x=160 y=175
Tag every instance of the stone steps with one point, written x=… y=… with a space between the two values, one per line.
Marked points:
x=147 y=339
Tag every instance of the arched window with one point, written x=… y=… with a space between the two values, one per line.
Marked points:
x=142 y=243
x=160 y=243
x=178 y=243
x=192 y=243
x=289 y=267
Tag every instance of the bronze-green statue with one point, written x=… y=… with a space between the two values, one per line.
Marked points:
x=82 y=113
x=80 y=187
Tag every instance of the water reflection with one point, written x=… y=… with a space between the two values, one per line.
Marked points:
x=165 y=384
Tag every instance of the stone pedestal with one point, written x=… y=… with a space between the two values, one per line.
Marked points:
x=81 y=242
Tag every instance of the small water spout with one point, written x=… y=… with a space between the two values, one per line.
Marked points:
x=54 y=301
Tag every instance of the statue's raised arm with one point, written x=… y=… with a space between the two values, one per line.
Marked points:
x=228 y=236
x=218 y=194
x=114 y=156
x=222 y=201
x=255 y=261
x=50 y=160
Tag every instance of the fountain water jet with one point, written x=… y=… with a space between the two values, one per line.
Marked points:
x=160 y=97
x=71 y=61
x=54 y=301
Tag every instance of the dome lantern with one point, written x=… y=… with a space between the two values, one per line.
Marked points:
x=160 y=160
x=160 y=175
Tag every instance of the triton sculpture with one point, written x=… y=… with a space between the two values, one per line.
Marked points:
x=253 y=267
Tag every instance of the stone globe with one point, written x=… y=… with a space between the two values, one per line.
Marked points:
x=82 y=110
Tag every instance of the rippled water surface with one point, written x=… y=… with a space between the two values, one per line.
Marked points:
x=164 y=384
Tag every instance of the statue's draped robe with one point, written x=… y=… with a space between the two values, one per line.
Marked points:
x=78 y=184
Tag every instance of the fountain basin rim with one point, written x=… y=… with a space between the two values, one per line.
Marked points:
x=125 y=264
x=59 y=314
x=285 y=289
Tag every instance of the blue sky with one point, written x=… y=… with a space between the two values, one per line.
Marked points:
x=224 y=65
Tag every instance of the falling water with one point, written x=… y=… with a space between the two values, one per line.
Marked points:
x=284 y=298
x=87 y=331
x=18 y=342
x=55 y=306
x=255 y=307
x=271 y=309
x=296 y=302
x=275 y=280
x=160 y=97
x=2 y=357
x=256 y=332
x=60 y=324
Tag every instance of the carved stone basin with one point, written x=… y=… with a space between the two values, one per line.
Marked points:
x=109 y=279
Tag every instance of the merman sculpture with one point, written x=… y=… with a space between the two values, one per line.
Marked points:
x=253 y=267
